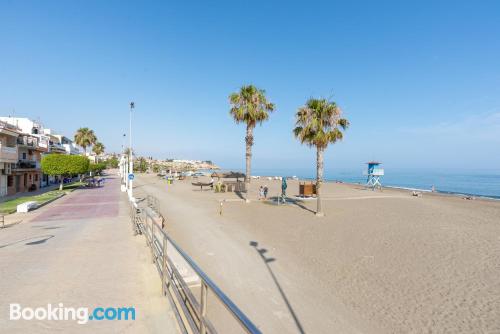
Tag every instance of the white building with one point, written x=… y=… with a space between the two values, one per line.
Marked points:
x=61 y=142
x=30 y=127
x=45 y=141
x=8 y=154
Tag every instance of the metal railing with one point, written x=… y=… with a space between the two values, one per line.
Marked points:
x=27 y=164
x=191 y=314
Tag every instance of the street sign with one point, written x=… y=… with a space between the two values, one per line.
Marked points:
x=131 y=176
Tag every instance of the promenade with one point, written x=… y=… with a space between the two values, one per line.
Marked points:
x=79 y=251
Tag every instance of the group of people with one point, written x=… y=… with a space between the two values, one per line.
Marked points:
x=263 y=190
x=95 y=182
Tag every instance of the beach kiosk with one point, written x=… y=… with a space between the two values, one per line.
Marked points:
x=374 y=173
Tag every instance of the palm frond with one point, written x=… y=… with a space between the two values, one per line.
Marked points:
x=319 y=123
x=250 y=105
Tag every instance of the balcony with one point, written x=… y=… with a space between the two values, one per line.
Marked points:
x=27 y=164
x=8 y=154
x=26 y=141
x=57 y=148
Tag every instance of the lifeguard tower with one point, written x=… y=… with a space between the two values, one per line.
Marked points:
x=374 y=172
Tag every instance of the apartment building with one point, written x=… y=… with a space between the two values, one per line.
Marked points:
x=26 y=174
x=23 y=142
x=61 y=144
x=8 y=154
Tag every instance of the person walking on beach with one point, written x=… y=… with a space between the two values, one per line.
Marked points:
x=261 y=193
x=266 y=190
x=283 y=189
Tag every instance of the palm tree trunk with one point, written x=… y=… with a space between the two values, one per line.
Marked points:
x=319 y=179
x=248 y=156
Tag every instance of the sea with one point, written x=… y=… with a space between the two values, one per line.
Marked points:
x=483 y=183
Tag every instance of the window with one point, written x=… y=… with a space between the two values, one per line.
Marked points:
x=10 y=181
x=24 y=156
x=36 y=177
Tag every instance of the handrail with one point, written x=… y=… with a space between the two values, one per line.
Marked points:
x=228 y=303
x=172 y=279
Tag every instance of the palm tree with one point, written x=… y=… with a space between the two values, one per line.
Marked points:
x=85 y=138
x=318 y=124
x=249 y=106
x=98 y=148
x=126 y=152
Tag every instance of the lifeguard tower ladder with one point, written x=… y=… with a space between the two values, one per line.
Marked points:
x=374 y=173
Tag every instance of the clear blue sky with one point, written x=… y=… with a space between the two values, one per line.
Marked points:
x=419 y=81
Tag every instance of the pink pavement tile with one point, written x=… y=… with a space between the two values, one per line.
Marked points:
x=85 y=204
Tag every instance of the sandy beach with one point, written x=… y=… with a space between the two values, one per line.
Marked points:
x=378 y=262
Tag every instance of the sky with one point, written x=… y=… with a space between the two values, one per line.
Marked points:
x=419 y=81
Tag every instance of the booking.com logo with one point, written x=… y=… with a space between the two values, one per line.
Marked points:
x=81 y=314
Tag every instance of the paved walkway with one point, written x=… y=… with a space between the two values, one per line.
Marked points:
x=79 y=251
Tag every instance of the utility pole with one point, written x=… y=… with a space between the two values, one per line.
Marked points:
x=131 y=162
x=124 y=163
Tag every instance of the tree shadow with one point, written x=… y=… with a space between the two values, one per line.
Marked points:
x=274 y=201
x=37 y=240
x=302 y=206
x=267 y=260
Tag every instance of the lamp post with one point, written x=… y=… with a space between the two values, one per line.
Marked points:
x=124 y=162
x=131 y=162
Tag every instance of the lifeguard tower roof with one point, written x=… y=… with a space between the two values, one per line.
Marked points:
x=374 y=163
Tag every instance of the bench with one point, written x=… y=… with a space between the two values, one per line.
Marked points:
x=27 y=206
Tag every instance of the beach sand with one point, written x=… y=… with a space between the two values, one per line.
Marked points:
x=378 y=262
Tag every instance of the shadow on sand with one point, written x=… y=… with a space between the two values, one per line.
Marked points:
x=267 y=260
x=239 y=194
x=289 y=201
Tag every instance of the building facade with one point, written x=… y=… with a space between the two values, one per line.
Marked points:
x=26 y=174
x=8 y=154
x=23 y=142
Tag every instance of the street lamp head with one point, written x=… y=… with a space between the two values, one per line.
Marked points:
x=132 y=105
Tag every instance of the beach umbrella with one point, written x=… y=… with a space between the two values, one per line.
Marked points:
x=234 y=175
x=215 y=174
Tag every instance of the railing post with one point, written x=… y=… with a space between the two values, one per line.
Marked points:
x=152 y=244
x=165 y=270
x=146 y=227
x=203 y=308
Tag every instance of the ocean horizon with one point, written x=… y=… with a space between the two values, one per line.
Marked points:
x=480 y=182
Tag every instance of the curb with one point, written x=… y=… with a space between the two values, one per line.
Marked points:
x=50 y=201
